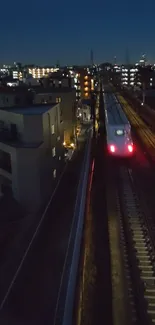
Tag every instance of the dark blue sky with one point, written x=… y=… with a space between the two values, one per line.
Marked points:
x=45 y=31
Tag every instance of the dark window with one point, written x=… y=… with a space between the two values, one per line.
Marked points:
x=17 y=100
x=5 y=161
x=1 y=125
x=13 y=129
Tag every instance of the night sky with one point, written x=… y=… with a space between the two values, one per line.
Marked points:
x=43 y=32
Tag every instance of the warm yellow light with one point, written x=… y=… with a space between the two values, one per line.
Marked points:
x=86 y=89
x=86 y=94
x=72 y=145
x=86 y=77
x=64 y=143
x=92 y=84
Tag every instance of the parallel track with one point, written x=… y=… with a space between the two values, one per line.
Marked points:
x=138 y=251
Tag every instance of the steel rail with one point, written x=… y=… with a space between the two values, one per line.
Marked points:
x=138 y=250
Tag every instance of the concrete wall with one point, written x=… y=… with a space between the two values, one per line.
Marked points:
x=26 y=178
x=9 y=117
x=6 y=100
x=33 y=129
x=67 y=107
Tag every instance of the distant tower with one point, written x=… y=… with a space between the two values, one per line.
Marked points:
x=144 y=58
x=114 y=59
x=58 y=64
x=91 y=58
x=127 y=59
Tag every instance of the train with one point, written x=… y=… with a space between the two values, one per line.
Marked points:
x=118 y=128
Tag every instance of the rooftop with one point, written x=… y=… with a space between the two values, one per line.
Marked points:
x=30 y=110
x=38 y=89
x=13 y=90
x=51 y=90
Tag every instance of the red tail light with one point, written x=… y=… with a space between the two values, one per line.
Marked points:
x=112 y=148
x=130 y=148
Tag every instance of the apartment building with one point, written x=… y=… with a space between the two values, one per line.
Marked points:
x=31 y=153
x=15 y=96
x=128 y=75
x=133 y=75
x=60 y=79
x=40 y=72
x=84 y=84
x=67 y=99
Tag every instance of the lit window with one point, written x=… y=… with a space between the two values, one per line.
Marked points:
x=86 y=77
x=86 y=94
x=59 y=157
x=53 y=152
x=54 y=173
x=86 y=89
x=52 y=128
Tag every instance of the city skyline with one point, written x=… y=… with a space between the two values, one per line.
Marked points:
x=59 y=33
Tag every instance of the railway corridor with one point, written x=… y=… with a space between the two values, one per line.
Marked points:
x=116 y=283
x=131 y=206
x=118 y=277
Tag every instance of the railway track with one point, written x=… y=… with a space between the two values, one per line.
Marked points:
x=138 y=251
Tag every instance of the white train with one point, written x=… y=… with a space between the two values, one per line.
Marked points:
x=118 y=128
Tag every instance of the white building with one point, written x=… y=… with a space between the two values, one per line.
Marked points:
x=67 y=99
x=128 y=75
x=39 y=72
x=30 y=152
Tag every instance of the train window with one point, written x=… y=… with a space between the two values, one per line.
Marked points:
x=119 y=132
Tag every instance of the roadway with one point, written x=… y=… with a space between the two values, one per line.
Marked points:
x=34 y=295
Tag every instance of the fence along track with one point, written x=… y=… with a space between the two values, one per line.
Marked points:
x=138 y=252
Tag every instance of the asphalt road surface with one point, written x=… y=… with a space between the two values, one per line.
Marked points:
x=33 y=297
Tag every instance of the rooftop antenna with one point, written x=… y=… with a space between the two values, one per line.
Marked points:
x=58 y=64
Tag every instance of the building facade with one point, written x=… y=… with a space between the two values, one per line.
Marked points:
x=84 y=84
x=31 y=153
x=15 y=96
x=67 y=99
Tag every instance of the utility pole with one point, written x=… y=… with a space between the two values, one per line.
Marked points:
x=93 y=115
x=143 y=102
